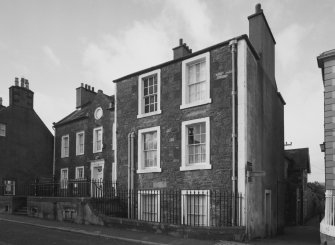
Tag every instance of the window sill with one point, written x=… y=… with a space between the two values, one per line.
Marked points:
x=198 y=103
x=149 y=114
x=195 y=167
x=149 y=170
x=97 y=151
x=64 y=156
x=79 y=154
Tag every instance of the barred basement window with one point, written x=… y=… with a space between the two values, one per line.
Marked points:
x=64 y=175
x=195 y=207
x=149 y=205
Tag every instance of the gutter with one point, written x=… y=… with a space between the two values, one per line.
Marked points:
x=233 y=45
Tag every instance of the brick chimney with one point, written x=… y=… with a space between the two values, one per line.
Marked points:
x=181 y=51
x=262 y=39
x=21 y=95
x=84 y=95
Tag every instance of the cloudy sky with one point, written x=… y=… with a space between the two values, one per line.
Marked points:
x=59 y=44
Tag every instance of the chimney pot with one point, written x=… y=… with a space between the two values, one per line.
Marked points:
x=85 y=86
x=92 y=89
x=180 y=41
x=16 y=81
x=88 y=87
x=82 y=85
x=27 y=83
x=258 y=8
x=22 y=82
x=0 y=100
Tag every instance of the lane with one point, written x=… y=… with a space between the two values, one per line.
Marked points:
x=22 y=234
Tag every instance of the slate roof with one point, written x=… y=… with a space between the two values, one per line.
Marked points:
x=299 y=158
x=79 y=113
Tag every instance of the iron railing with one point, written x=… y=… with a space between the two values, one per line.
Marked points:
x=180 y=207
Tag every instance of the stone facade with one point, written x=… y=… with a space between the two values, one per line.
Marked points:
x=27 y=144
x=84 y=120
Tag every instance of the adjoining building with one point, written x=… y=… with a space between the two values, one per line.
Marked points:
x=84 y=141
x=326 y=61
x=206 y=121
x=297 y=165
x=26 y=143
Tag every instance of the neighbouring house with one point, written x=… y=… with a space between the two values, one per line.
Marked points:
x=26 y=143
x=203 y=124
x=297 y=167
x=84 y=142
x=326 y=61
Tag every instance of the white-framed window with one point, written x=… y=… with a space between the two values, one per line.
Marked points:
x=2 y=130
x=195 y=144
x=9 y=187
x=196 y=81
x=149 y=205
x=195 y=207
x=149 y=93
x=64 y=176
x=149 y=150
x=80 y=172
x=80 y=143
x=97 y=139
x=65 y=146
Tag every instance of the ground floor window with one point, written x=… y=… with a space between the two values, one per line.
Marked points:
x=149 y=205
x=195 y=207
x=9 y=187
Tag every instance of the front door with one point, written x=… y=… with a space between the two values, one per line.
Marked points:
x=97 y=178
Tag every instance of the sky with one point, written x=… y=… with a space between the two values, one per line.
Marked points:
x=57 y=45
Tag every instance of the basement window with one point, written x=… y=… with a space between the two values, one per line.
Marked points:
x=149 y=205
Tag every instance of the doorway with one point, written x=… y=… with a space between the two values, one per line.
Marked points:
x=97 y=178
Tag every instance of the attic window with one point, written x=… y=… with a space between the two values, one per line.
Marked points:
x=98 y=113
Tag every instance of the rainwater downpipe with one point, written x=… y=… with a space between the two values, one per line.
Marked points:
x=132 y=168
x=233 y=45
x=129 y=164
x=54 y=157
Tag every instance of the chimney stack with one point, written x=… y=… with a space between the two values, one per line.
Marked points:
x=181 y=50
x=262 y=40
x=0 y=101
x=21 y=95
x=84 y=94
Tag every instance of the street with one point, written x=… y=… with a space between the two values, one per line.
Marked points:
x=19 y=234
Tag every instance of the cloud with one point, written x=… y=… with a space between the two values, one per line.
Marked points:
x=147 y=43
x=51 y=55
x=289 y=48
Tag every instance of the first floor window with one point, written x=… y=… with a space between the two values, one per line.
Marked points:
x=2 y=129
x=149 y=205
x=80 y=140
x=149 y=150
x=195 y=207
x=65 y=146
x=195 y=81
x=97 y=140
x=149 y=94
x=64 y=174
x=195 y=144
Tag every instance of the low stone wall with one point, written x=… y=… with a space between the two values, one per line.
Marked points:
x=204 y=233
x=70 y=209
x=9 y=204
x=79 y=210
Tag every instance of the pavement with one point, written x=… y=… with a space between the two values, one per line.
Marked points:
x=130 y=236
x=294 y=235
